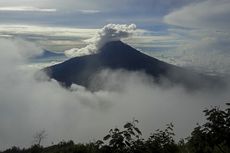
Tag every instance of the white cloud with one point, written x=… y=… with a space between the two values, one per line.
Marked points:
x=128 y=5
x=37 y=9
x=208 y=14
x=27 y=105
x=148 y=40
x=64 y=38
x=204 y=50
x=110 y=32
x=53 y=38
x=89 y=11
x=206 y=55
x=206 y=45
x=59 y=4
x=27 y=9
x=21 y=48
x=46 y=31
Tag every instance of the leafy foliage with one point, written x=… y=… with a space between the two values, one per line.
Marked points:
x=126 y=140
x=129 y=140
x=214 y=134
x=162 y=140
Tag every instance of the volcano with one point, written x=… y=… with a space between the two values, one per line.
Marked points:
x=117 y=55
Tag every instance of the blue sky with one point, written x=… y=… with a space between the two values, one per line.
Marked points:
x=187 y=29
x=95 y=14
x=86 y=12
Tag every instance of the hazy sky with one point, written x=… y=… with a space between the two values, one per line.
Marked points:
x=87 y=13
x=186 y=32
x=189 y=33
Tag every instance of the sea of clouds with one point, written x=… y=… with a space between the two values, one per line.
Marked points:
x=28 y=105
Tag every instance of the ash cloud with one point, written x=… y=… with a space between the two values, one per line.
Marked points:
x=110 y=32
x=27 y=105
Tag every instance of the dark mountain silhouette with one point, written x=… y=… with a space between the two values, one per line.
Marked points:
x=117 y=55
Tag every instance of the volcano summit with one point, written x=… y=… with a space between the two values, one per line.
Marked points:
x=116 y=55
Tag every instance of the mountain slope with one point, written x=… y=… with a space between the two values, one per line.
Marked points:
x=117 y=55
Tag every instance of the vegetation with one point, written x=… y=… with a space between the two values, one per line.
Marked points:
x=39 y=136
x=214 y=135
x=211 y=137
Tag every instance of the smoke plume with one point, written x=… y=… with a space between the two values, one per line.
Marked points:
x=110 y=32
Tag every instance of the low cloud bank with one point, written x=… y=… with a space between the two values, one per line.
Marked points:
x=110 y=32
x=28 y=106
x=204 y=51
x=204 y=36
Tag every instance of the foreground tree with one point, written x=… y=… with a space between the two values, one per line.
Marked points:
x=162 y=141
x=214 y=135
x=39 y=137
x=129 y=140
x=126 y=140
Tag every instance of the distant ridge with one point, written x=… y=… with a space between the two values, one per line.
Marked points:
x=118 y=55
x=48 y=54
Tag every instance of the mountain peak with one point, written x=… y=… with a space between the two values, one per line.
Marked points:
x=116 y=47
x=112 y=44
x=118 y=55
